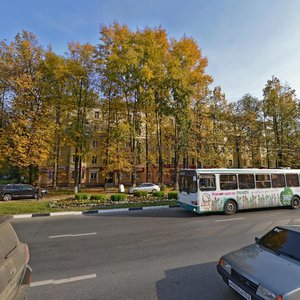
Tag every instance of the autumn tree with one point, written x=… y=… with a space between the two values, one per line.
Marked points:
x=82 y=82
x=153 y=53
x=28 y=129
x=187 y=78
x=55 y=72
x=281 y=112
x=115 y=65
x=247 y=129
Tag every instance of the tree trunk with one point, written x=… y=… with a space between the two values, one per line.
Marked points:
x=76 y=188
x=57 y=148
x=177 y=157
x=159 y=146
x=147 y=150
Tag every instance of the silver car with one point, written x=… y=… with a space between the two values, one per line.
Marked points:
x=15 y=274
x=146 y=187
x=268 y=269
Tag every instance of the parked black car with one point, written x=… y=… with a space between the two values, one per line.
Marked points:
x=20 y=191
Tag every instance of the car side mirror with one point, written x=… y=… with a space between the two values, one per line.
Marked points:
x=256 y=239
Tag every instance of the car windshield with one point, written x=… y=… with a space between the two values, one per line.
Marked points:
x=282 y=241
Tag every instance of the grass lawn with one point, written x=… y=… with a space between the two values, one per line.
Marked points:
x=33 y=206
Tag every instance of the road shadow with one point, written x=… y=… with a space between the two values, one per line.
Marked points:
x=194 y=282
x=173 y=213
x=151 y=213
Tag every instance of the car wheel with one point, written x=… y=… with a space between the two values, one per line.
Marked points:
x=134 y=191
x=230 y=207
x=295 y=203
x=154 y=191
x=35 y=196
x=7 y=197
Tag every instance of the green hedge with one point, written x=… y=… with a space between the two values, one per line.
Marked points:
x=81 y=196
x=118 y=197
x=173 y=195
x=140 y=194
x=158 y=194
x=97 y=197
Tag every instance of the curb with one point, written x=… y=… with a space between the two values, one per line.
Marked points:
x=92 y=212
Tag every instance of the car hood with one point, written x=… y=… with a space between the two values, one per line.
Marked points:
x=275 y=272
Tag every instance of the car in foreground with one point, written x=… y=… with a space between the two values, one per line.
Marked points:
x=146 y=187
x=268 y=269
x=15 y=273
x=20 y=191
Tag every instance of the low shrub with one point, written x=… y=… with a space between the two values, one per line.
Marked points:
x=158 y=194
x=118 y=197
x=81 y=196
x=99 y=197
x=173 y=195
x=140 y=194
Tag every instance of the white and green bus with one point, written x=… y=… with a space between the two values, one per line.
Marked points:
x=230 y=190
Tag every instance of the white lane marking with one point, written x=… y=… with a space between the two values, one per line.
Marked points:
x=61 y=281
x=71 y=235
x=225 y=220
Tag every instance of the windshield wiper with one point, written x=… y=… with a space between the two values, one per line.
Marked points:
x=11 y=251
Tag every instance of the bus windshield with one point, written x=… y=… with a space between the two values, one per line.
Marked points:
x=188 y=182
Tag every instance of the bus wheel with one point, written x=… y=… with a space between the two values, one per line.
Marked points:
x=295 y=202
x=230 y=207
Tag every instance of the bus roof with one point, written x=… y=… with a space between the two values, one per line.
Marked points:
x=244 y=171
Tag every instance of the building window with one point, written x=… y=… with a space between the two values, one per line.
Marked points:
x=94 y=159
x=97 y=114
x=95 y=144
x=93 y=175
x=126 y=176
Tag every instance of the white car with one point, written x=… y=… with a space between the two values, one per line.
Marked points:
x=146 y=187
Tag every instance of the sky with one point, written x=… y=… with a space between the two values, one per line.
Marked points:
x=246 y=41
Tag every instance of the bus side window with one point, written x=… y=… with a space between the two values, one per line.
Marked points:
x=228 y=182
x=263 y=181
x=207 y=182
x=292 y=180
x=278 y=180
x=246 y=181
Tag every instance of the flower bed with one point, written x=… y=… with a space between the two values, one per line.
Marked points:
x=106 y=202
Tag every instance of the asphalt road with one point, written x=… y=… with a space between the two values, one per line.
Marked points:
x=155 y=254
